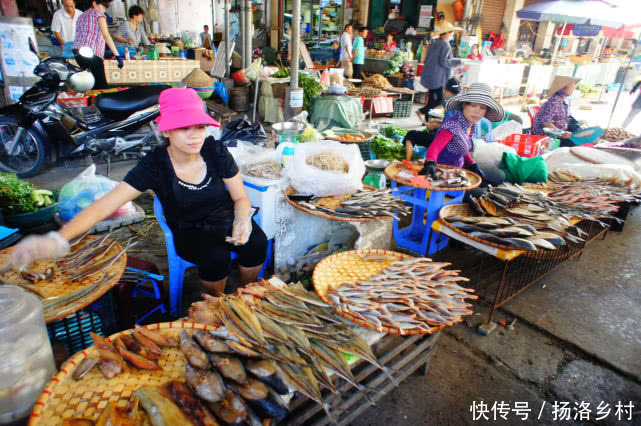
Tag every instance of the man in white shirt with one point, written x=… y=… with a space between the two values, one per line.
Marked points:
x=205 y=37
x=346 y=50
x=64 y=21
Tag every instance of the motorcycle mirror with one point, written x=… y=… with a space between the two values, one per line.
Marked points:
x=85 y=52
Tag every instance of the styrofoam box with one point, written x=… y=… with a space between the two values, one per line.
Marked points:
x=266 y=198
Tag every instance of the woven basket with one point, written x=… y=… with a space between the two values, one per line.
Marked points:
x=348 y=266
x=65 y=397
x=330 y=203
x=465 y=210
x=396 y=167
x=61 y=284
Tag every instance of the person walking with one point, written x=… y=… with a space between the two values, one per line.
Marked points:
x=92 y=32
x=358 y=48
x=437 y=67
x=636 y=106
x=346 y=50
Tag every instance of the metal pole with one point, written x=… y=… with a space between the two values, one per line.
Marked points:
x=249 y=28
x=625 y=72
x=320 y=24
x=558 y=42
x=294 y=44
x=226 y=39
x=243 y=34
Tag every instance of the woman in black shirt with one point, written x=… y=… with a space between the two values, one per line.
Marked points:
x=202 y=194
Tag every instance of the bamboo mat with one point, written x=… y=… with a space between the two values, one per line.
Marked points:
x=65 y=397
x=61 y=284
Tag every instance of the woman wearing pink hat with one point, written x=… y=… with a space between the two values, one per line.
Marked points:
x=202 y=193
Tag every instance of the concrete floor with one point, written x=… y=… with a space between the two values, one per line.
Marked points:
x=577 y=338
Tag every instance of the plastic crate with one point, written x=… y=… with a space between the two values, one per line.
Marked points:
x=527 y=145
x=74 y=331
x=420 y=97
x=74 y=100
x=402 y=109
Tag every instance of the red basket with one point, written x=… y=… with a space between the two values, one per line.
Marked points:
x=526 y=145
x=74 y=100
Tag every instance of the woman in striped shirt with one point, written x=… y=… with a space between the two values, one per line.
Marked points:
x=92 y=32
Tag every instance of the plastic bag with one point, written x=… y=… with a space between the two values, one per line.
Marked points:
x=244 y=130
x=253 y=70
x=247 y=154
x=506 y=129
x=308 y=179
x=221 y=90
x=83 y=190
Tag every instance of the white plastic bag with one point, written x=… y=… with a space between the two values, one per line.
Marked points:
x=506 y=129
x=83 y=190
x=247 y=154
x=253 y=70
x=308 y=179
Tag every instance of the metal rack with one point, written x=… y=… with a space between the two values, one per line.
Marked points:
x=402 y=355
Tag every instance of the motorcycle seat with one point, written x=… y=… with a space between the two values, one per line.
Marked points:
x=120 y=105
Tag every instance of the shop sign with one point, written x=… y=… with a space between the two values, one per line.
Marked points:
x=425 y=16
x=585 y=30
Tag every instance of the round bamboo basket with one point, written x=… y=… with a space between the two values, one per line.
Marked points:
x=396 y=167
x=64 y=397
x=61 y=284
x=331 y=203
x=349 y=266
x=464 y=210
x=368 y=138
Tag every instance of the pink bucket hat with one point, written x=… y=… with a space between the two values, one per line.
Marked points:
x=182 y=108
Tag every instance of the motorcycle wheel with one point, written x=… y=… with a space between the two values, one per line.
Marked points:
x=31 y=156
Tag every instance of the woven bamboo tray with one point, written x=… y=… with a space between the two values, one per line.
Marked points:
x=396 y=167
x=368 y=137
x=348 y=266
x=330 y=203
x=466 y=210
x=61 y=284
x=64 y=397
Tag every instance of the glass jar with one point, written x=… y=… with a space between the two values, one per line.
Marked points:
x=26 y=359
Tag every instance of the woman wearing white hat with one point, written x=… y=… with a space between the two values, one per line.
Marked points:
x=436 y=70
x=453 y=142
x=555 y=111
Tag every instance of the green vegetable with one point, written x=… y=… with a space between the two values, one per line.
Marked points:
x=387 y=149
x=392 y=130
x=282 y=72
x=396 y=62
x=311 y=88
x=310 y=134
x=15 y=195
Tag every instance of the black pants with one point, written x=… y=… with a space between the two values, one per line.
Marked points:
x=208 y=250
x=358 y=71
x=96 y=66
x=435 y=98
x=420 y=138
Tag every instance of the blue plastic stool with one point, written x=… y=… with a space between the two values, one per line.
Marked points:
x=178 y=265
x=153 y=279
x=419 y=236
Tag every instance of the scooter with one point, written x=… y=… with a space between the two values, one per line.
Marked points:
x=37 y=129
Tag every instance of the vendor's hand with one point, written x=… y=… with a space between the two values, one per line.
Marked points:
x=476 y=169
x=566 y=135
x=131 y=41
x=120 y=61
x=241 y=229
x=36 y=247
x=429 y=169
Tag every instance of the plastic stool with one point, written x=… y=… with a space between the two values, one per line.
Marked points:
x=178 y=265
x=154 y=279
x=419 y=237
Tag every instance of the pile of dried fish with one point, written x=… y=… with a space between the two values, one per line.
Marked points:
x=366 y=91
x=411 y=295
x=263 y=170
x=361 y=205
x=567 y=187
x=445 y=177
x=297 y=330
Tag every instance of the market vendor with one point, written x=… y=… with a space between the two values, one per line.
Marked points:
x=453 y=142
x=426 y=136
x=555 y=112
x=200 y=188
x=131 y=33
x=390 y=44
x=92 y=32
x=474 y=54
x=63 y=23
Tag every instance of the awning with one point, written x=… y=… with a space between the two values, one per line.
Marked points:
x=596 y=12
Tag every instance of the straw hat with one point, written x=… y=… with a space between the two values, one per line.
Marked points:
x=445 y=27
x=479 y=93
x=561 y=82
